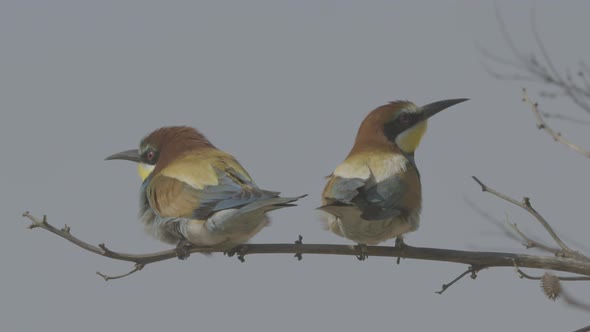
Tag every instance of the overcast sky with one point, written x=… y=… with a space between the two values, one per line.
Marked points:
x=283 y=86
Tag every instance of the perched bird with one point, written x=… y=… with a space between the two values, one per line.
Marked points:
x=375 y=194
x=194 y=193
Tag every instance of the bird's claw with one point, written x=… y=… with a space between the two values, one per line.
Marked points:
x=240 y=250
x=400 y=244
x=363 y=252
x=182 y=250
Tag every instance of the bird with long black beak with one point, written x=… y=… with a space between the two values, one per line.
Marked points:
x=375 y=194
x=195 y=194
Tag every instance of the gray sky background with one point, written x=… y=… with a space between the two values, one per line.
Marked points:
x=283 y=86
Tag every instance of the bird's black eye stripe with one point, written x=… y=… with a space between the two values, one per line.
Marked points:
x=406 y=118
x=400 y=123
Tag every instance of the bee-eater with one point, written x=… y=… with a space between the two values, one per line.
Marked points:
x=375 y=194
x=194 y=193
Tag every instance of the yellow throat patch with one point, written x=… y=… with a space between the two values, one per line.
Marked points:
x=409 y=140
x=144 y=170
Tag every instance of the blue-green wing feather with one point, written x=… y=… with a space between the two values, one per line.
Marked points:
x=344 y=190
x=375 y=200
x=232 y=191
x=381 y=200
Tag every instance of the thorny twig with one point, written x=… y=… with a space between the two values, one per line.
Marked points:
x=472 y=269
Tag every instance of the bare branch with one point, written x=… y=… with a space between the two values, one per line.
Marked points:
x=526 y=205
x=473 y=258
x=541 y=124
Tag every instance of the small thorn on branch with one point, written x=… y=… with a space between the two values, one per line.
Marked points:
x=526 y=201
x=35 y=222
x=299 y=241
x=66 y=229
x=481 y=184
x=105 y=250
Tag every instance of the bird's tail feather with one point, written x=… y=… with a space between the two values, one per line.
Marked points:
x=270 y=204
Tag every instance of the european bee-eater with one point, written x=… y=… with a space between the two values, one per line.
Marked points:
x=375 y=194
x=194 y=193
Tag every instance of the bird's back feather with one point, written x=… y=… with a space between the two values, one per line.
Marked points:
x=207 y=198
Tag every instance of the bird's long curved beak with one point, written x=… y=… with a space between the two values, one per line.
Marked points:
x=131 y=155
x=433 y=108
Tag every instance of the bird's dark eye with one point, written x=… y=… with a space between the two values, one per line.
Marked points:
x=405 y=118
x=150 y=155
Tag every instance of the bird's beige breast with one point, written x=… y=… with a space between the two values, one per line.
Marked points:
x=380 y=165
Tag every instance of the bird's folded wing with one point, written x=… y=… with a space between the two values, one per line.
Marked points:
x=375 y=200
x=198 y=192
x=233 y=191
